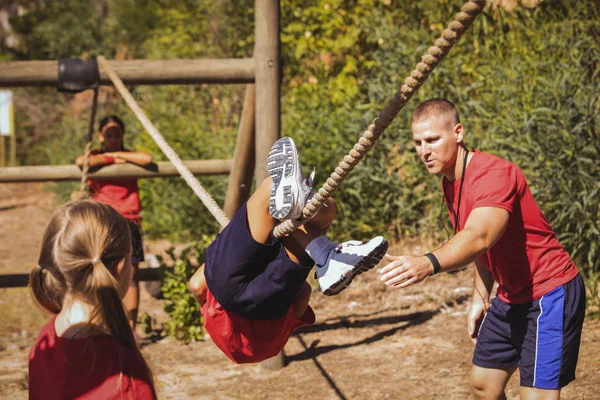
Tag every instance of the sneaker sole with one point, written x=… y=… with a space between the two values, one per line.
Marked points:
x=366 y=264
x=281 y=165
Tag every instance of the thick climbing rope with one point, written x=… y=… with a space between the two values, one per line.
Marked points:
x=429 y=61
x=185 y=173
x=84 y=191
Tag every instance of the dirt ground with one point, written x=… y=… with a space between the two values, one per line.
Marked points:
x=367 y=343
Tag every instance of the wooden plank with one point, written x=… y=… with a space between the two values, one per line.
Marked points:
x=268 y=75
x=137 y=72
x=240 y=178
x=47 y=173
x=22 y=280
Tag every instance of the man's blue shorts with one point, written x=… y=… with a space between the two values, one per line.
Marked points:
x=254 y=280
x=541 y=337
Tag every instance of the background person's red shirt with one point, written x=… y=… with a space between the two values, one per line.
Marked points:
x=527 y=261
x=122 y=194
x=250 y=341
x=85 y=368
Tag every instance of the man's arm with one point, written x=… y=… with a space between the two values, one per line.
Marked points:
x=482 y=286
x=484 y=227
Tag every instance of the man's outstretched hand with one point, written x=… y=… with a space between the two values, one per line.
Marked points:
x=403 y=271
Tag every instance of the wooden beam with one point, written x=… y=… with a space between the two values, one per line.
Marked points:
x=136 y=72
x=268 y=75
x=240 y=178
x=22 y=280
x=46 y=173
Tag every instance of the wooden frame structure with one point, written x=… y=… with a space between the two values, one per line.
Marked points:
x=251 y=150
x=263 y=70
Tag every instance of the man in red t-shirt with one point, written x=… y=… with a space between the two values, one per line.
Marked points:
x=535 y=321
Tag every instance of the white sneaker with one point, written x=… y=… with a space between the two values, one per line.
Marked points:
x=291 y=191
x=348 y=260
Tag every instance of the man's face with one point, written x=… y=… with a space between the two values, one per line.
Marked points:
x=436 y=140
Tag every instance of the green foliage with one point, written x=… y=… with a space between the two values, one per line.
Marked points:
x=186 y=320
x=592 y=283
x=61 y=29
x=526 y=85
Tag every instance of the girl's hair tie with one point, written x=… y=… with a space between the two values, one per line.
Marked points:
x=94 y=260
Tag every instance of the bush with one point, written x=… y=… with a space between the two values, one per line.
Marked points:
x=186 y=320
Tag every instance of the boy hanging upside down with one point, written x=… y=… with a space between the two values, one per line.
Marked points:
x=252 y=290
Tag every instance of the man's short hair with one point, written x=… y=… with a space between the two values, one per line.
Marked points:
x=434 y=108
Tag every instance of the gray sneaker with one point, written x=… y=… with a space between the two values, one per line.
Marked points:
x=291 y=191
x=348 y=260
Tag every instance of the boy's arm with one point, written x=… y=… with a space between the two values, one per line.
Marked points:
x=197 y=286
x=140 y=158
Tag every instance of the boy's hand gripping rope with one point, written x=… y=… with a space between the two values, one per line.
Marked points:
x=429 y=61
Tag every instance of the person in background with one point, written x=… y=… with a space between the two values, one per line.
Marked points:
x=120 y=193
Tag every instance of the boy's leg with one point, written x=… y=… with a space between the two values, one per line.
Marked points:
x=296 y=243
x=260 y=221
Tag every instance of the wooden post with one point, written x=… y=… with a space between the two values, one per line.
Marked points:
x=13 y=140
x=242 y=170
x=2 y=151
x=13 y=136
x=266 y=56
x=268 y=81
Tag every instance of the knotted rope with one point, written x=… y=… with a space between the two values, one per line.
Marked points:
x=84 y=191
x=429 y=61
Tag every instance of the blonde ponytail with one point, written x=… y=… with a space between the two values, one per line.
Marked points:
x=83 y=245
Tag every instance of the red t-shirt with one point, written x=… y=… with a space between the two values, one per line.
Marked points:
x=527 y=261
x=122 y=194
x=96 y=367
x=250 y=341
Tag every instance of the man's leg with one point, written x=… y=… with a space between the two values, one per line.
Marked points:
x=488 y=383
x=529 y=393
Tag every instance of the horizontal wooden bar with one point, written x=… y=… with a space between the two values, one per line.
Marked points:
x=48 y=173
x=136 y=72
x=22 y=280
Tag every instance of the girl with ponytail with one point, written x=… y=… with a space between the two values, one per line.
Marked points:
x=87 y=350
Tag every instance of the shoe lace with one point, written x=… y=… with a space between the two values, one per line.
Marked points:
x=308 y=183
x=349 y=243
